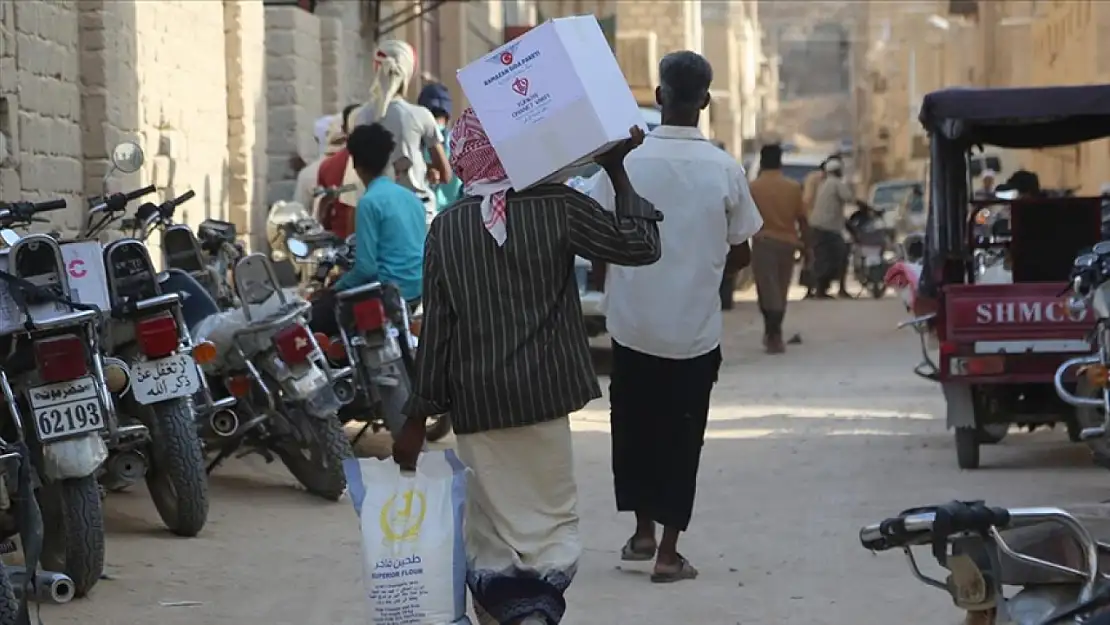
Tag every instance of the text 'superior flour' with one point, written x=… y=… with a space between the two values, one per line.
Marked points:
x=413 y=556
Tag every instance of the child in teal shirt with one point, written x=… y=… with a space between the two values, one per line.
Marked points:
x=435 y=97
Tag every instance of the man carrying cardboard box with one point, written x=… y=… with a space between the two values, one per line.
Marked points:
x=665 y=319
x=503 y=348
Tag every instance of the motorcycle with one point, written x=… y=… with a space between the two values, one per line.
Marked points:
x=20 y=514
x=207 y=256
x=1045 y=551
x=291 y=220
x=56 y=384
x=274 y=366
x=377 y=342
x=1089 y=289
x=150 y=344
x=871 y=240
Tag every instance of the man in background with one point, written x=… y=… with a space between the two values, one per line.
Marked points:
x=337 y=212
x=810 y=185
x=830 y=250
x=785 y=230
x=437 y=99
x=986 y=185
x=665 y=319
x=412 y=126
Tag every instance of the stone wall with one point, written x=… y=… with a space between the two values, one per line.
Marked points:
x=219 y=94
x=40 y=104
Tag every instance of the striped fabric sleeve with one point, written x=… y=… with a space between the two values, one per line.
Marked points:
x=431 y=389
x=627 y=236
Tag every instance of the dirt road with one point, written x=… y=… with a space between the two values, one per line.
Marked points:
x=803 y=449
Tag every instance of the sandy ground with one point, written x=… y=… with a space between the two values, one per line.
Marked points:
x=802 y=450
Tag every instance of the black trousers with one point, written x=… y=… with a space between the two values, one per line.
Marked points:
x=830 y=258
x=659 y=409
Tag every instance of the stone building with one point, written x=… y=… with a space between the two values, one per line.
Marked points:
x=222 y=93
x=920 y=46
x=219 y=93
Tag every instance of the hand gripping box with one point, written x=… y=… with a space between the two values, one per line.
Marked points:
x=551 y=99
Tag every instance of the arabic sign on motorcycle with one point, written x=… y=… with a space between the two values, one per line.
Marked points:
x=65 y=409
x=167 y=378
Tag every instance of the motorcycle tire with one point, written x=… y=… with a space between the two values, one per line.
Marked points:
x=322 y=473
x=73 y=531
x=438 y=428
x=177 y=479
x=9 y=605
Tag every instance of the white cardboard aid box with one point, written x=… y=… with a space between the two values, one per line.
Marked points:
x=551 y=99
x=88 y=283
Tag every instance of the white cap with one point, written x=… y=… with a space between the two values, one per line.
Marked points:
x=988 y=173
x=834 y=164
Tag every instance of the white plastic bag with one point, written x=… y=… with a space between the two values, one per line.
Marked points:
x=413 y=557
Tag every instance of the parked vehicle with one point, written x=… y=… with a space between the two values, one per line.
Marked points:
x=376 y=344
x=149 y=341
x=872 y=248
x=275 y=368
x=1048 y=554
x=20 y=514
x=1084 y=381
x=54 y=384
x=1001 y=343
x=890 y=197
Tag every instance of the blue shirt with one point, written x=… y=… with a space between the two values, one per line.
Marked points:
x=390 y=229
x=449 y=193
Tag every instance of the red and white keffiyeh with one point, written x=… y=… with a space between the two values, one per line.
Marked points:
x=476 y=164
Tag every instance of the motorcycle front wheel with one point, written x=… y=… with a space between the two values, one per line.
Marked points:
x=73 y=531
x=177 y=479
x=318 y=464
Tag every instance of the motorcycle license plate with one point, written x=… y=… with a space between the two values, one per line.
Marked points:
x=66 y=409
x=171 y=377
x=872 y=256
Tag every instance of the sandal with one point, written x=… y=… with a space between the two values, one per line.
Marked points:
x=685 y=570
x=629 y=552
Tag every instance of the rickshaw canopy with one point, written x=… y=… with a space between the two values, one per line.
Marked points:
x=1026 y=117
x=958 y=119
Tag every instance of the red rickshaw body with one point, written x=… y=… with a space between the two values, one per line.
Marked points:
x=1001 y=340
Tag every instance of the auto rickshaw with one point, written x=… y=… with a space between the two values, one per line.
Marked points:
x=1001 y=339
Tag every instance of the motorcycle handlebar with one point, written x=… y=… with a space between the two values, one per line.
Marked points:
x=24 y=211
x=184 y=197
x=138 y=193
x=118 y=201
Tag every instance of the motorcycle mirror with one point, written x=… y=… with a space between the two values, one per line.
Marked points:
x=10 y=237
x=297 y=247
x=127 y=157
x=1101 y=248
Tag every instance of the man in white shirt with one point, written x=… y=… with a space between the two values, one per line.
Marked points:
x=665 y=318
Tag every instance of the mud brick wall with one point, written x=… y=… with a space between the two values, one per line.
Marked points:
x=40 y=104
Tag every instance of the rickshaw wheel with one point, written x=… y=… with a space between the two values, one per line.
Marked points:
x=967 y=448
